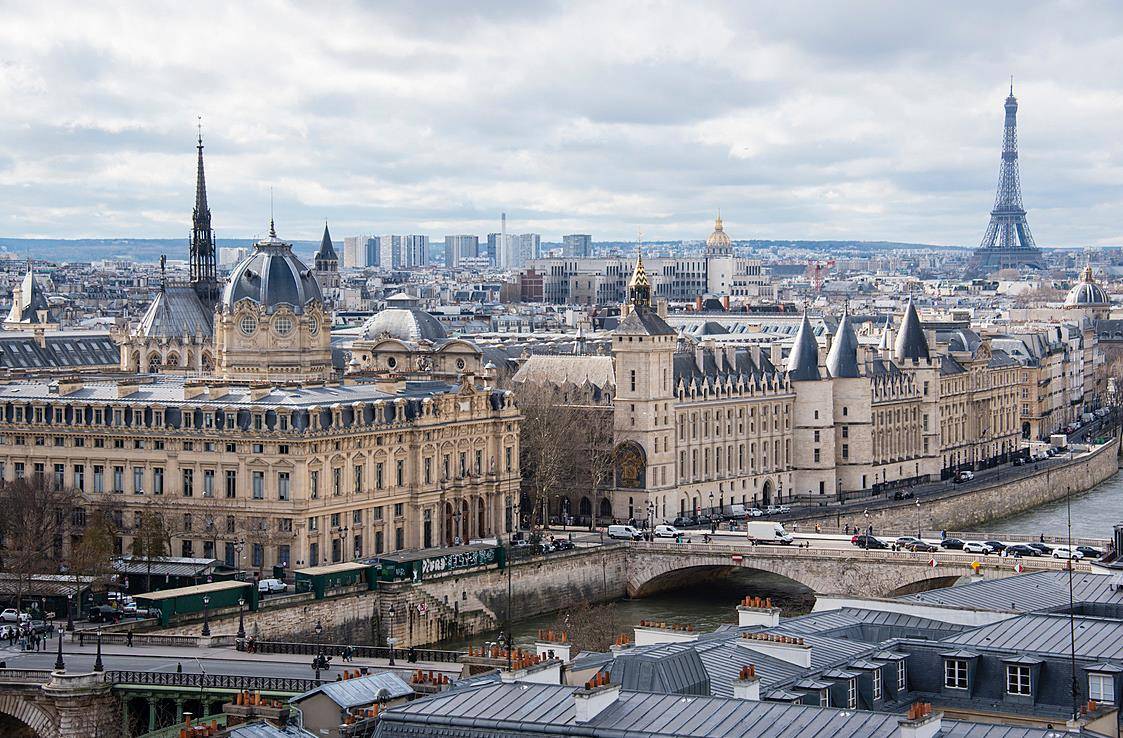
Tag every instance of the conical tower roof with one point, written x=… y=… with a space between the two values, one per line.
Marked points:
x=327 y=250
x=842 y=359
x=911 y=343
x=803 y=361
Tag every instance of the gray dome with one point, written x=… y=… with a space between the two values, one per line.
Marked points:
x=1086 y=292
x=272 y=276
x=403 y=320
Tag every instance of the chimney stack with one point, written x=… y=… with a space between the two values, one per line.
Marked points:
x=747 y=684
x=597 y=694
x=757 y=611
x=786 y=648
x=920 y=722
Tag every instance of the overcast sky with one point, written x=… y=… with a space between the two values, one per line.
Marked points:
x=797 y=119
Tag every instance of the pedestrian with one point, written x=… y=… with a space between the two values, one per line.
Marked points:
x=129 y=638
x=179 y=668
x=1043 y=538
x=81 y=638
x=818 y=528
x=943 y=535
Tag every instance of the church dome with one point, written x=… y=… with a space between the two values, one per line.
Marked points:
x=271 y=276
x=1086 y=293
x=719 y=240
x=404 y=320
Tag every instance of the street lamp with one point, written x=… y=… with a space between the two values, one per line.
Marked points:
x=390 y=640
x=69 y=612
x=241 y=623
x=316 y=662
x=98 y=666
x=60 y=665
x=918 y=517
x=206 y=614
x=456 y=517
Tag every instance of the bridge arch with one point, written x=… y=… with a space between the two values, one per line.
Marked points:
x=18 y=713
x=687 y=576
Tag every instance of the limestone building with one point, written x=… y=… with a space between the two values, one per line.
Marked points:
x=30 y=309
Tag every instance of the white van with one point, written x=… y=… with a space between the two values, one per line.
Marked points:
x=737 y=511
x=667 y=531
x=624 y=532
x=762 y=531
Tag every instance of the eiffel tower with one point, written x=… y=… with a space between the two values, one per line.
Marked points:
x=1008 y=244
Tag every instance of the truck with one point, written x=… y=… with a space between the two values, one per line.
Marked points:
x=768 y=532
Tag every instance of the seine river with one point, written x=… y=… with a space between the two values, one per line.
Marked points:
x=1093 y=514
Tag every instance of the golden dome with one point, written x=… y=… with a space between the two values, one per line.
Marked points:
x=719 y=239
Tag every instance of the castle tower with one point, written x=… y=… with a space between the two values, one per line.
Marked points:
x=643 y=348
x=1007 y=242
x=813 y=440
x=912 y=357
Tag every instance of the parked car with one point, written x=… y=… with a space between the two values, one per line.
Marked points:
x=104 y=614
x=864 y=541
x=1019 y=461
x=564 y=544
x=1020 y=549
x=40 y=626
x=624 y=532
x=8 y=631
x=756 y=512
x=667 y=531
x=952 y=544
x=271 y=586
x=1090 y=552
x=681 y=522
x=964 y=476
x=996 y=546
x=1064 y=552
x=905 y=541
x=923 y=547
x=976 y=547
x=1043 y=548
x=11 y=615
x=903 y=494
x=772 y=510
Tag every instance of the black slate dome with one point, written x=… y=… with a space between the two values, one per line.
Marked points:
x=272 y=276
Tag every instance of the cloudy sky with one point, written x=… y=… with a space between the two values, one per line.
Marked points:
x=797 y=119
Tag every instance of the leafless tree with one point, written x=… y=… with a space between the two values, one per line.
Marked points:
x=547 y=444
x=588 y=627
x=34 y=517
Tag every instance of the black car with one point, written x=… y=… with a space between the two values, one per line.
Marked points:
x=865 y=541
x=922 y=547
x=1019 y=461
x=903 y=495
x=681 y=522
x=1090 y=552
x=564 y=544
x=996 y=546
x=952 y=543
x=1045 y=550
x=104 y=614
x=1020 y=549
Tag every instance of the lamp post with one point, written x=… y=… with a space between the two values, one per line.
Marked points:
x=319 y=629
x=70 y=612
x=342 y=535
x=918 y=517
x=98 y=666
x=390 y=640
x=206 y=614
x=60 y=665
x=456 y=518
x=241 y=623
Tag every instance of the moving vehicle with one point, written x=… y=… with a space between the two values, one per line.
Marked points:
x=624 y=532
x=952 y=544
x=1064 y=552
x=667 y=531
x=964 y=476
x=1090 y=552
x=738 y=511
x=756 y=512
x=976 y=547
x=104 y=614
x=1019 y=461
x=996 y=546
x=271 y=586
x=40 y=626
x=903 y=494
x=1020 y=549
x=906 y=541
x=1043 y=548
x=922 y=547
x=864 y=541
x=767 y=532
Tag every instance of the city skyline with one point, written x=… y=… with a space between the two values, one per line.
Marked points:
x=868 y=123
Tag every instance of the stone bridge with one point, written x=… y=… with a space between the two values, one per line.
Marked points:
x=652 y=567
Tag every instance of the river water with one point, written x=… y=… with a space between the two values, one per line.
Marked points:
x=1093 y=514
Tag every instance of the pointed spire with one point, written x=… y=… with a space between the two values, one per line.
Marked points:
x=326 y=252
x=163 y=272
x=803 y=361
x=842 y=359
x=204 y=271
x=911 y=343
x=886 y=342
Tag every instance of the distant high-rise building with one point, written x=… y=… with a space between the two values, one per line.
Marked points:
x=577 y=245
x=390 y=252
x=1007 y=242
x=354 y=252
x=228 y=256
x=372 y=251
x=526 y=246
x=415 y=251
x=460 y=247
x=492 y=248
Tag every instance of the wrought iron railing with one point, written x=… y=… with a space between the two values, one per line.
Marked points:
x=368 y=652
x=233 y=682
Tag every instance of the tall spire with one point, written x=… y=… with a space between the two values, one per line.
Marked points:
x=204 y=275
x=639 y=286
x=911 y=343
x=1007 y=241
x=803 y=361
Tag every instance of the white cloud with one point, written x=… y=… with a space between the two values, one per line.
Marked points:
x=865 y=120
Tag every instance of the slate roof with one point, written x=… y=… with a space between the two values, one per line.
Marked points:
x=911 y=343
x=596 y=370
x=715 y=365
x=1096 y=638
x=803 y=361
x=365 y=690
x=33 y=303
x=535 y=709
x=643 y=321
x=1026 y=592
x=326 y=251
x=177 y=311
x=272 y=276
x=262 y=729
x=61 y=350
x=842 y=359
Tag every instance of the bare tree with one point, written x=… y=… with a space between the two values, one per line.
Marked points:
x=588 y=627
x=34 y=516
x=546 y=441
x=152 y=540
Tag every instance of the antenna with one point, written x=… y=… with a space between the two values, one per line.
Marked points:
x=1011 y=85
x=199 y=123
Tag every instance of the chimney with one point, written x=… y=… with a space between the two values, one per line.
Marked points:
x=786 y=648
x=649 y=632
x=747 y=684
x=661 y=307
x=725 y=302
x=594 y=697
x=920 y=722
x=553 y=644
x=776 y=354
x=756 y=611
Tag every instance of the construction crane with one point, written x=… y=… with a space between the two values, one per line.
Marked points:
x=817 y=271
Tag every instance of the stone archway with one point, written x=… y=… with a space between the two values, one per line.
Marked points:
x=766 y=494
x=21 y=714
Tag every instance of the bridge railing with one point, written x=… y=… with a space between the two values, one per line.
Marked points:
x=25 y=676
x=871 y=555
x=934 y=535
x=368 y=652
x=231 y=682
